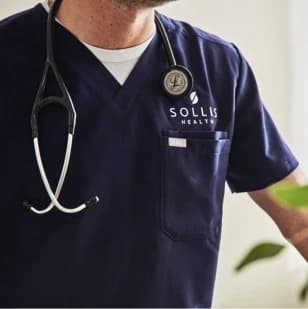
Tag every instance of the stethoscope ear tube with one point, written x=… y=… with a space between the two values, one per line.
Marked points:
x=54 y=197
x=66 y=102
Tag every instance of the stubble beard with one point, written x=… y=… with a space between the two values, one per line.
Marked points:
x=142 y=3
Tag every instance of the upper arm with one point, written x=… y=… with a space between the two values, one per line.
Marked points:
x=259 y=155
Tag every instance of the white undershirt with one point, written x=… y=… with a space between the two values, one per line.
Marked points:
x=119 y=62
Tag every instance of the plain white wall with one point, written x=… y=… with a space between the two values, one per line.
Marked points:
x=263 y=30
x=300 y=78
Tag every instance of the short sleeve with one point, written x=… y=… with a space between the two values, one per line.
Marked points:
x=259 y=156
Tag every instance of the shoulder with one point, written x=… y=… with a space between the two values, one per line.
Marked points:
x=33 y=14
x=22 y=36
x=194 y=34
x=22 y=50
x=16 y=29
x=199 y=43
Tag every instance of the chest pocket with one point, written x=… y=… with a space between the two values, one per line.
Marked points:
x=194 y=167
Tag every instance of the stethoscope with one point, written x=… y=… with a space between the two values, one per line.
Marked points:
x=177 y=82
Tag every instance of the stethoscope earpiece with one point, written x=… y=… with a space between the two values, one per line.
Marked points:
x=178 y=81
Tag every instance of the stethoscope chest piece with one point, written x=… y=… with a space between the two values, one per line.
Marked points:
x=178 y=81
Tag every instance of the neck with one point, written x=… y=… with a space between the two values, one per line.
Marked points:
x=107 y=24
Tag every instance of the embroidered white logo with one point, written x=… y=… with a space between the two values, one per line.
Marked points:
x=194 y=98
x=195 y=114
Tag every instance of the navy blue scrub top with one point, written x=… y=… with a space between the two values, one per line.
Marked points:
x=159 y=166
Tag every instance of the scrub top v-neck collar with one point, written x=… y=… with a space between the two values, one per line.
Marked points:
x=69 y=50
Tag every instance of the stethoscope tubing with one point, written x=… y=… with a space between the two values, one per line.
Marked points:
x=166 y=42
x=66 y=102
x=61 y=179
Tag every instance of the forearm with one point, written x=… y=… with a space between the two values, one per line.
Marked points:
x=293 y=224
x=300 y=241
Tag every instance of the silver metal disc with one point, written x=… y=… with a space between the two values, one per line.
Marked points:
x=177 y=82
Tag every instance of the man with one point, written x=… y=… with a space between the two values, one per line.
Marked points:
x=159 y=164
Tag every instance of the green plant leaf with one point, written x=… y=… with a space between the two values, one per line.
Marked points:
x=260 y=252
x=291 y=196
x=303 y=296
